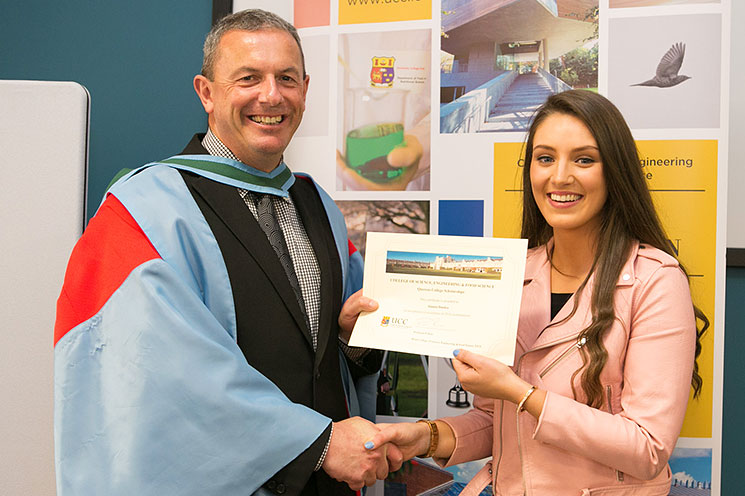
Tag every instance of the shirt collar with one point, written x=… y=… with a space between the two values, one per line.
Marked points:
x=216 y=147
x=274 y=182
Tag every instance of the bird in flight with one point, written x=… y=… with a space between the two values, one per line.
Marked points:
x=667 y=70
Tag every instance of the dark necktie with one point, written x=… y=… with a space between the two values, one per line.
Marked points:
x=267 y=219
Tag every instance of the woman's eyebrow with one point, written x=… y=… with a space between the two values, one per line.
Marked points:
x=578 y=149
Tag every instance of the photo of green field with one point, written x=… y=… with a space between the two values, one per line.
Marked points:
x=402 y=385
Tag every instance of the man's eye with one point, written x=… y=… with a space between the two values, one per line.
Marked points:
x=248 y=78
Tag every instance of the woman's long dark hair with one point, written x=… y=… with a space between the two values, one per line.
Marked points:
x=628 y=215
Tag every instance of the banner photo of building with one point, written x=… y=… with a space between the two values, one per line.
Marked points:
x=405 y=147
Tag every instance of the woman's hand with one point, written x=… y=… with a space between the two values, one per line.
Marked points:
x=487 y=377
x=412 y=439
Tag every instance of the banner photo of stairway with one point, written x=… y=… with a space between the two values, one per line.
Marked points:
x=501 y=60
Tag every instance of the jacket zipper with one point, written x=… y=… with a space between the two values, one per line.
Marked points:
x=619 y=474
x=579 y=344
x=519 y=442
x=495 y=467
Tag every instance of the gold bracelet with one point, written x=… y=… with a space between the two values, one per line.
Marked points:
x=434 y=437
x=521 y=405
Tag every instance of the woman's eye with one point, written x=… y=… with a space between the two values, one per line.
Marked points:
x=544 y=159
x=585 y=161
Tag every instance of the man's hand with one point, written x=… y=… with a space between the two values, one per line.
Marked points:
x=351 y=310
x=353 y=460
x=406 y=155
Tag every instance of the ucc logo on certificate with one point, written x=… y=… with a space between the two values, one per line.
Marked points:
x=394 y=322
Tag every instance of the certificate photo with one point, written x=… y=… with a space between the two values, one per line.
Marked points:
x=440 y=293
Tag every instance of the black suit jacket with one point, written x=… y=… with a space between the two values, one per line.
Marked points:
x=272 y=332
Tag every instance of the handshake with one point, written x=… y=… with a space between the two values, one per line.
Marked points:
x=361 y=452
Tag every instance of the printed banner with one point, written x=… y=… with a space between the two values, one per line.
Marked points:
x=397 y=157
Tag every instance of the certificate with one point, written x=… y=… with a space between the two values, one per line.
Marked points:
x=441 y=293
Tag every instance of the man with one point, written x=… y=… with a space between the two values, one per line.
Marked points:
x=196 y=342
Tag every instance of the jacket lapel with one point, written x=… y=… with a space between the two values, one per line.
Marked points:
x=536 y=301
x=230 y=208
x=538 y=293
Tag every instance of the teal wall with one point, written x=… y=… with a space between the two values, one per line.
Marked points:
x=137 y=58
x=733 y=438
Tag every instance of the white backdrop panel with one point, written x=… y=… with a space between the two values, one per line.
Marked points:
x=44 y=142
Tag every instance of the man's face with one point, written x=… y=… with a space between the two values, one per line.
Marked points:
x=257 y=97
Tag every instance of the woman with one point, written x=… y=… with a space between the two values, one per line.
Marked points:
x=607 y=336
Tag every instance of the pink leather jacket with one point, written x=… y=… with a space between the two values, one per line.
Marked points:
x=573 y=449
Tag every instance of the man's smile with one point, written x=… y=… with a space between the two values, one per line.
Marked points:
x=267 y=119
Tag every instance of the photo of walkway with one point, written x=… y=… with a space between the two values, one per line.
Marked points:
x=439 y=264
x=501 y=59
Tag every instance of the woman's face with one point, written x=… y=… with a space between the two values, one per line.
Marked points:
x=566 y=175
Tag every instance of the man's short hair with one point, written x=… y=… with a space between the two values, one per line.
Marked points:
x=245 y=20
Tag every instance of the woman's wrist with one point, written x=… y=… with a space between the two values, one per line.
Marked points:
x=432 y=438
x=445 y=443
x=531 y=400
x=529 y=397
x=518 y=390
x=524 y=399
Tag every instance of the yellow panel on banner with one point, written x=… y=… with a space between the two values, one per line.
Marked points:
x=682 y=177
x=363 y=11
x=508 y=186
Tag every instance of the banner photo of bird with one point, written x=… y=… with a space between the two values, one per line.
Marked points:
x=667 y=70
x=664 y=71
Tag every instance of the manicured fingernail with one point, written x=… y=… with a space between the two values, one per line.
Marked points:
x=455 y=352
x=369 y=445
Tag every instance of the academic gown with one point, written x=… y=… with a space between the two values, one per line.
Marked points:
x=183 y=363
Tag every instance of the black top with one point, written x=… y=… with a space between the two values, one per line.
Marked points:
x=558 y=300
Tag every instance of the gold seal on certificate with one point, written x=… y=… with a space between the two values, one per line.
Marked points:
x=439 y=293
